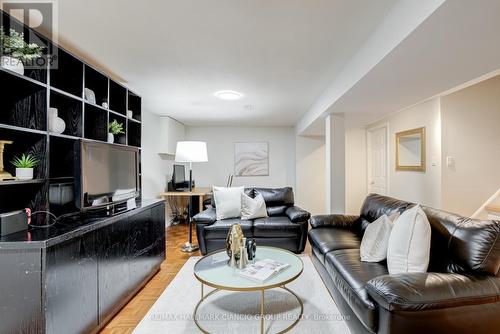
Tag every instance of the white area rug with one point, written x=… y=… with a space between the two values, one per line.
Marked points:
x=228 y=312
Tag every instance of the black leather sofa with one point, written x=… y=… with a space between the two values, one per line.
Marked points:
x=286 y=226
x=460 y=293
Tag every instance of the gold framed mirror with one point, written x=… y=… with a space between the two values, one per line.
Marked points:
x=410 y=150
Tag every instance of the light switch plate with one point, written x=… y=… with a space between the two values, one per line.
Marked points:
x=450 y=161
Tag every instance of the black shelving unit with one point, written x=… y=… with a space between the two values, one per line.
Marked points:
x=96 y=123
x=25 y=101
x=61 y=177
x=70 y=110
x=25 y=143
x=134 y=105
x=97 y=83
x=66 y=73
x=134 y=134
x=36 y=74
x=117 y=98
x=120 y=138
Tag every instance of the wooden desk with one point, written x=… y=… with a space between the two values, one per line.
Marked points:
x=202 y=192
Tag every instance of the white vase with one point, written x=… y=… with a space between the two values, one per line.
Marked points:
x=12 y=64
x=56 y=124
x=24 y=173
x=111 y=138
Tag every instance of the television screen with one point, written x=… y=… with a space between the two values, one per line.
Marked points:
x=109 y=174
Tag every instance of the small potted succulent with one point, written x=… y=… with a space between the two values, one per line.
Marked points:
x=115 y=128
x=24 y=166
x=15 y=51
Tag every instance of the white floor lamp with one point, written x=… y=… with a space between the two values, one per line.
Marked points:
x=191 y=151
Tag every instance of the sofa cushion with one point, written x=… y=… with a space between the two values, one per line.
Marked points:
x=409 y=243
x=475 y=246
x=376 y=240
x=276 y=210
x=463 y=245
x=376 y=205
x=350 y=275
x=276 y=196
x=426 y=291
x=252 y=208
x=220 y=228
x=207 y=216
x=335 y=220
x=327 y=239
x=247 y=191
x=297 y=215
x=275 y=227
x=228 y=202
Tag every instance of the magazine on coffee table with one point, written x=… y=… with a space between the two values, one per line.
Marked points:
x=262 y=270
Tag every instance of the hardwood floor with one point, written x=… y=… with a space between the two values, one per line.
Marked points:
x=132 y=313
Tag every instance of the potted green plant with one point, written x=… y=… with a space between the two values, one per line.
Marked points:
x=24 y=166
x=115 y=128
x=15 y=50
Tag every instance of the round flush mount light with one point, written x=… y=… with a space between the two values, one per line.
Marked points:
x=229 y=95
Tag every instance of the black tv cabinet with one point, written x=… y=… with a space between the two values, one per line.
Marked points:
x=73 y=278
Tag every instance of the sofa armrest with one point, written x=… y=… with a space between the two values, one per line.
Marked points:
x=336 y=220
x=207 y=217
x=297 y=215
x=426 y=291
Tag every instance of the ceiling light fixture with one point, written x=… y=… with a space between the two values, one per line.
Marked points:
x=229 y=95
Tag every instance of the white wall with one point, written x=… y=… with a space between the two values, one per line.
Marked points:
x=471 y=137
x=310 y=174
x=355 y=168
x=220 y=145
x=335 y=163
x=420 y=187
x=156 y=169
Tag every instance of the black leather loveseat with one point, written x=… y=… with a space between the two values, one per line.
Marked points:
x=286 y=226
x=460 y=293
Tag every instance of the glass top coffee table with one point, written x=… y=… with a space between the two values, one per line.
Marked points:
x=213 y=270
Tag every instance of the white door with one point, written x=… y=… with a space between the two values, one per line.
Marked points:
x=377 y=160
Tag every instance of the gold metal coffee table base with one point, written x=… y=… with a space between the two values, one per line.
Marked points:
x=203 y=298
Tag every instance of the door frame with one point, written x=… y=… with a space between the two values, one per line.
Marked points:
x=369 y=131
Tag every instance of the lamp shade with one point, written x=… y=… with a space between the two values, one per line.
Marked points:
x=191 y=151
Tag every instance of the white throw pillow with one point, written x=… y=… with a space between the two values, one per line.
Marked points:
x=409 y=243
x=253 y=208
x=227 y=202
x=376 y=239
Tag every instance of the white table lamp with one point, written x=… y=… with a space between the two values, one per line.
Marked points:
x=191 y=151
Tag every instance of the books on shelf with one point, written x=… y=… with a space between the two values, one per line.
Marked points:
x=262 y=270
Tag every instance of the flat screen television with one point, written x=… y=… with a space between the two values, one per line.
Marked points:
x=109 y=174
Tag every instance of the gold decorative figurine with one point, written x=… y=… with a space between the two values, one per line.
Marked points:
x=234 y=242
x=3 y=174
